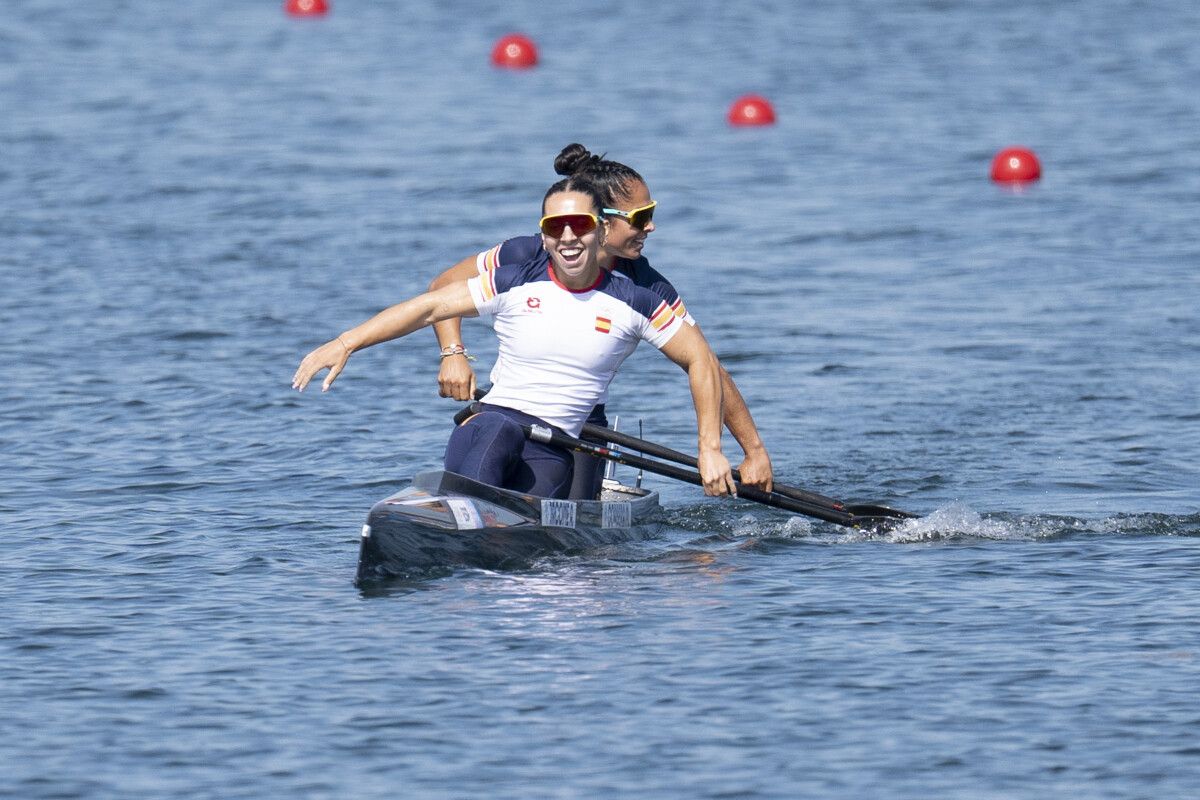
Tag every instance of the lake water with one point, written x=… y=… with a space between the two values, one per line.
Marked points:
x=195 y=195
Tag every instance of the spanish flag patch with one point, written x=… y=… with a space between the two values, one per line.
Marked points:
x=487 y=284
x=603 y=324
x=491 y=259
x=662 y=317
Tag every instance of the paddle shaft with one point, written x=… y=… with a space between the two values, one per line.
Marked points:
x=605 y=435
x=602 y=434
x=545 y=435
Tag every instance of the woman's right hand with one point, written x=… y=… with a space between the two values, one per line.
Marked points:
x=456 y=379
x=332 y=355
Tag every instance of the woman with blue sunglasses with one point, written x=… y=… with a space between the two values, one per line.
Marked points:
x=565 y=325
x=629 y=210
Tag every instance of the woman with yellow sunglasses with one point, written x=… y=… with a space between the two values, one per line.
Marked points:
x=565 y=326
x=629 y=209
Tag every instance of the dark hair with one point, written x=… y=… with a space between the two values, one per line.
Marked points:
x=612 y=178
x=578 y=183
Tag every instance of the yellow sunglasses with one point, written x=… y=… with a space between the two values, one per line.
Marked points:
x=638 y=217
x=580 y=224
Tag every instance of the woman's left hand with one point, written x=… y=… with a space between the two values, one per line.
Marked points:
x=332 y=355
x=716 y=473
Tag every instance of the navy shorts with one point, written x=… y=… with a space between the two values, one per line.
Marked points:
x=491 y=447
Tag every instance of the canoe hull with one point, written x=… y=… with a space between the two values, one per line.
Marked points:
x=445 y=520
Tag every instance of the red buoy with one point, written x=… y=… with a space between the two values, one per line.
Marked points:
x=306 y=8
x=515 y=52
x=1015 y=165
x=751 y=109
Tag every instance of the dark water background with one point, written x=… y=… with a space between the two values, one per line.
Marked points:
x=193 y=195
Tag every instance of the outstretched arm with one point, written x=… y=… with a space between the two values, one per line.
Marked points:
x=688 y=349
x=401 y=319
x=456 y=379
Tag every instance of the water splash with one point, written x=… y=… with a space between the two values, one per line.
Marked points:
x=959 y=521
x=953 y=521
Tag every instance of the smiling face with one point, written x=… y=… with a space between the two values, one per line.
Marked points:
x=624 y=240
x=574 y=255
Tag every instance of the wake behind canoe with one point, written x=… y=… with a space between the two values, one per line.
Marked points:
x=446 y=520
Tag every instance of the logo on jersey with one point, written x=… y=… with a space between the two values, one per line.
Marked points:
x=603 y=324
x=533 y=302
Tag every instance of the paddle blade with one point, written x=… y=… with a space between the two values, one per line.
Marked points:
x=868 y=510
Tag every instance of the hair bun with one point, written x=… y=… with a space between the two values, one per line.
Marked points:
x=572 y=159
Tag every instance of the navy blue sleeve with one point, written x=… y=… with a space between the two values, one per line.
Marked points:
x=506 y=276
x=519 y=250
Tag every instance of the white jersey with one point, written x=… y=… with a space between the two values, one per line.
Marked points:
x=520 y=249
x=559 y=347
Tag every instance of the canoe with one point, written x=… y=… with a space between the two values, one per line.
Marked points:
x=446 y=520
